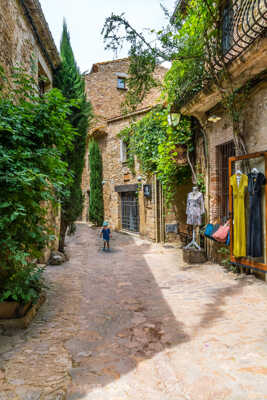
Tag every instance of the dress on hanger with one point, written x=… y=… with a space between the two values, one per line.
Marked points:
x=195 y=208
x=255 y=246
x=239 y=249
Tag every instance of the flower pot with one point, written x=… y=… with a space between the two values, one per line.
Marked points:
x=12 y=309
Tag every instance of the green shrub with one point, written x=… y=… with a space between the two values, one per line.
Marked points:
x=96 y=206
x=34 y=135
x=23 y=284
x=70 y=81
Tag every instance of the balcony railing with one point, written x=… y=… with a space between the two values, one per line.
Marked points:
x=243 y=21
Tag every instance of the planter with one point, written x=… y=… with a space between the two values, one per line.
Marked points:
x=194 y=256
x=12 y=309
x=8 y=309
x=24 y=321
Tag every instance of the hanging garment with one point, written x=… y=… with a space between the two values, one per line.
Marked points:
x=195 y=208
x=255 y=245
x=239 y=249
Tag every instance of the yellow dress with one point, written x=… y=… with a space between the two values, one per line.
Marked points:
x=239 y=249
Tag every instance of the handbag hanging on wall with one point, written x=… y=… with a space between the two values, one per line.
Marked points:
x=210 y=230
x=222 y=233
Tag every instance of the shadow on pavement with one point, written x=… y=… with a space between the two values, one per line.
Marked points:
x=107 y=312
x=128 y=318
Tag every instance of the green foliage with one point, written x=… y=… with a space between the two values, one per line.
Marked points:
x=153 y=141
x=226 y=260
x=69 y=80
x=201 y=181
x=190 y=43
x=96 y=207
x=193 y=43
x=24 y=285
x=34 y=134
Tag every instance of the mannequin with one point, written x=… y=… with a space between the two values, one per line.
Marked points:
x=194 y=210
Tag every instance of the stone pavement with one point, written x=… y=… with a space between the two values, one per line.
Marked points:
x=137 y=324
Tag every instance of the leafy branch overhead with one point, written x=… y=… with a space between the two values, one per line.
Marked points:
x=192 y=42
x=154 y=143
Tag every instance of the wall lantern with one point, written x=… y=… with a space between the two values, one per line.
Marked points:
x=147 y=191
x=214 y=118
x=174 y=119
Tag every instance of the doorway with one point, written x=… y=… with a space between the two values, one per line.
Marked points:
x=129 y=211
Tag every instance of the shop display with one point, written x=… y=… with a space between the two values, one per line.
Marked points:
x=210 y=230
x=239 y=183
x=194 y=210
x=195 y=207
x=222 y=233
x=248 y=210
x=255 y=181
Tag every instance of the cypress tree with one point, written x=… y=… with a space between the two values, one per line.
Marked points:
x=70 y=81
x=96 y=206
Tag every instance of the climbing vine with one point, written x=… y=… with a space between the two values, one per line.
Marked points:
x=153 y=142
x=34 y=135
x=192 y=42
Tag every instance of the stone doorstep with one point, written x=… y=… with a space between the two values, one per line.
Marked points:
x=134 y=234
x=24 y=322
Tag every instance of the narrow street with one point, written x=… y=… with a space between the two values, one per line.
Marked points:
x=137 y=324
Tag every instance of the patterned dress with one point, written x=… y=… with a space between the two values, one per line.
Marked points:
x=195 y=208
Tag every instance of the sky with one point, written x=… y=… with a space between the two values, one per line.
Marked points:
x=85 y=19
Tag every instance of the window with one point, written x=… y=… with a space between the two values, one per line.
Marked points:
x=227 y=27
x=124 y=151
x=121 y=83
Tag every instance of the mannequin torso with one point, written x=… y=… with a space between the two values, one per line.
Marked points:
x=195 y=207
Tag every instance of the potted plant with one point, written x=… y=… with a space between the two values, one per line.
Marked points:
x=20 y=288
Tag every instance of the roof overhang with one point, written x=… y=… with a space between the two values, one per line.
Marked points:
x=34 y=13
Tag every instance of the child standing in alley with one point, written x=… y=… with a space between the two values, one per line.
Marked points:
x=105 y=233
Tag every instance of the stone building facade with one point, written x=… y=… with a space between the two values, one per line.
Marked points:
x=248 y=65
x=25 y=39
x=126 y=205
x=26 y=42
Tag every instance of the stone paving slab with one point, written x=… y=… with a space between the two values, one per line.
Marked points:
x=137 y=323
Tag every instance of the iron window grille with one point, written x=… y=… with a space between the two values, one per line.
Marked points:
x=243 y=21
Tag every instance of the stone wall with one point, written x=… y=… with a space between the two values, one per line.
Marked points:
x=106 y=99
x=21 y=44
x=101 y=88
x=115 y=172
x=219 y=133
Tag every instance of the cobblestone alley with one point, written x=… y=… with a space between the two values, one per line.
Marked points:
x=138 y=324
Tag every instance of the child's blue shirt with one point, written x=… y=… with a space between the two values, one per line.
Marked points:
x=106 y=233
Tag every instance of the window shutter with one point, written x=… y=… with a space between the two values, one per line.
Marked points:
x=123 y=151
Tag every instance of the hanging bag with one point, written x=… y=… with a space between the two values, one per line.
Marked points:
x=210 y=230
x=221 y=234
